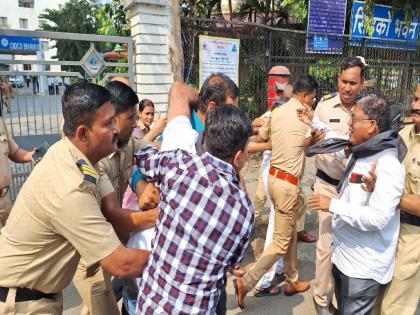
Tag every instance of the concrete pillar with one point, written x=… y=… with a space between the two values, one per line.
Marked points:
x=150 y=29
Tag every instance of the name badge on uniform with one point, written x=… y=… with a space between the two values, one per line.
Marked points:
x=334 y=120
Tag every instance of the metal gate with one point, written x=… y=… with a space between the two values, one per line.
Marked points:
x=35 y=112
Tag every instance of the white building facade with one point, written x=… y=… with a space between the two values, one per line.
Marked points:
x=150 y=29
x=24 y=15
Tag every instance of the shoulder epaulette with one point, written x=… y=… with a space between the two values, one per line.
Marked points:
x=88 y=172
x=328 y=97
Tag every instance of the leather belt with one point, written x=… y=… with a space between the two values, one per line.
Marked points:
x=322 y=175
x=3 y=191
x=283 y=176
x=24 y=294
x=409 y=218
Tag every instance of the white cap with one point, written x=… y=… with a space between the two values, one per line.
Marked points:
x=362 y=59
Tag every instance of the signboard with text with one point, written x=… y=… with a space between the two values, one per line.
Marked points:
x=327 y=18
x=92 y=63
x=218 y=54
x=386 y=25
x=19 y=45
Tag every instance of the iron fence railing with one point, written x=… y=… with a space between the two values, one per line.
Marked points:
x=393 y=71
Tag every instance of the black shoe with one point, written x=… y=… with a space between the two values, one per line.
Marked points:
x=280 y=277
x=332 y=309
x=321 y=310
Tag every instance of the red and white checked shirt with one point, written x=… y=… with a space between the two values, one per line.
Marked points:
x=204 y=227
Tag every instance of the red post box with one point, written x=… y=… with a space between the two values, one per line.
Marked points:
x=278 y=78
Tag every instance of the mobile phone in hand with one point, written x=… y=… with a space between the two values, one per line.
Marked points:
x=356 y=178
x=40 y=151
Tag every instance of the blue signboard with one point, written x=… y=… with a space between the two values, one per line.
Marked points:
x=392 y=27
x=19 y=45
x=327 y=18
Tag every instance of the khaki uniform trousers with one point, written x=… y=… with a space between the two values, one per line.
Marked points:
x=36 y=307
x=5 y=207
x=323 y=283
x=95 y=288
x=260 y=197
x=286 y=201
x=402 y=294
x=260 y=200
x=301 y=214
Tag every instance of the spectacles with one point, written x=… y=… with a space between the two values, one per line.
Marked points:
x=353 y=119
x=415 y=112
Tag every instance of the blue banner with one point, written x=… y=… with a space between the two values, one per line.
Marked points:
x=327 y=18
x=19 y=45
x=392 y=27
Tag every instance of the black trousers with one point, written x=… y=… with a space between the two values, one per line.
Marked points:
x=221 y=304
x=354 y=296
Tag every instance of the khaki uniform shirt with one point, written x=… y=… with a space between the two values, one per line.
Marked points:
x=412 y=159
x=7 y=147
x=118 y=165
x=55 y=220
x=332 y=113
x=287 y=138
x=142 y=127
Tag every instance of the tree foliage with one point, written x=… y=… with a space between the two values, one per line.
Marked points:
x=76 y=16
x=117 y=17
x=200 y=8
x=86 y=17
x=274 y=12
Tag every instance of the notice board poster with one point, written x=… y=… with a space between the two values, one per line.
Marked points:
x=327 y=19
x=218 y=54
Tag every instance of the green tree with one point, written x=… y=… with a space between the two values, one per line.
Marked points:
x=200 y=8
x=115 y=18
x=76 y=16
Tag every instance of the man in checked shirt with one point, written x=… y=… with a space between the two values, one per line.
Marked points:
x=205 y=217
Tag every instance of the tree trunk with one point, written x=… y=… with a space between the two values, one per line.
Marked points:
x=230 y=10
x=176 y=55
x=272 y=12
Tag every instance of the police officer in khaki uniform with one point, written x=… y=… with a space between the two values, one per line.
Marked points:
x=8 y=150
x=333 y=110
x=94 y=287
x=402 y=294
x=287 y=166
x=57 y=217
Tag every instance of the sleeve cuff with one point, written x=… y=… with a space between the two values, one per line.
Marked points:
x=105 y=186
x=113 y=244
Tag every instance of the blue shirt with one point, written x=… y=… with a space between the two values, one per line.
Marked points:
x=196 y=123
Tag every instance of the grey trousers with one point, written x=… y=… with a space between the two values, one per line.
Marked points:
x=354 y=296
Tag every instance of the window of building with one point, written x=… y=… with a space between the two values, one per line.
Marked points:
x=27 y=67
x=23 y=23
x=26 y=3
x=3 y=21
x=47 y=68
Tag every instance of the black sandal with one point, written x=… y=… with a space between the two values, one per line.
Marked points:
x=267 y=291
